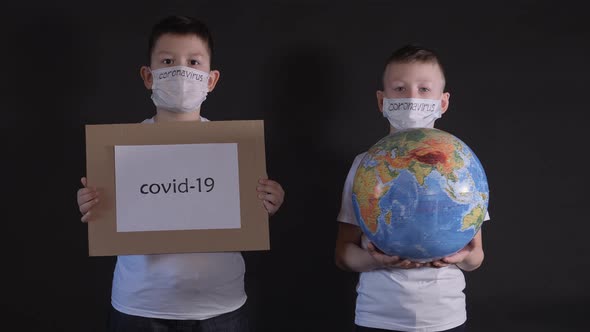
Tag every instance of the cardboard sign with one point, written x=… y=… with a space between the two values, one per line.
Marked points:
x=176 y=187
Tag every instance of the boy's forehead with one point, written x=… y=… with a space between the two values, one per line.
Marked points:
x=413 y=70
x=181 y=43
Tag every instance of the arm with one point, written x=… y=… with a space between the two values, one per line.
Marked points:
x=468 y=258
x=350 y=256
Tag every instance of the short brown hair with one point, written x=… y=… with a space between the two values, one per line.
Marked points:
x=415 y=53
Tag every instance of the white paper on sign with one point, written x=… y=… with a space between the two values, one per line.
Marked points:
x=177 y=187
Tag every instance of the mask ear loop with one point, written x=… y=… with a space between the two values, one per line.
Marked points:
x=153 y=76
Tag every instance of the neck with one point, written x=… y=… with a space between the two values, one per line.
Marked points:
x=168 y=116
x=393 y=130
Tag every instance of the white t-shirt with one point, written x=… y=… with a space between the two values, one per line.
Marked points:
x=423 y=299
x=179 y=286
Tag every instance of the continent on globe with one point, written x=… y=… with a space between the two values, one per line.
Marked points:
x=421 y=194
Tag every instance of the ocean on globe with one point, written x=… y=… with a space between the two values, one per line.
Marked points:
x=420 y=194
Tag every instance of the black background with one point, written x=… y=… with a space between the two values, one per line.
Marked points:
x=518 y=77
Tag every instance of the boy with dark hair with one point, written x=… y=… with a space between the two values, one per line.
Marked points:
x=192 y=291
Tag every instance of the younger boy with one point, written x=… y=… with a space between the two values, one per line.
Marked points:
x=395 y=294
x=180 y=292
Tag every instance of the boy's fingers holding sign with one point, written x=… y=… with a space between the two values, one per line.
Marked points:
x=87 y=197
x=271 y=193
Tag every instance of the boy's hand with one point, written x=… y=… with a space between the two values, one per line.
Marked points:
x=271 y=193
x=391 y=261
x=455 y=258
x=87 y=198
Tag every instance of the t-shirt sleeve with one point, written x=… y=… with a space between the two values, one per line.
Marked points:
x=346 y=213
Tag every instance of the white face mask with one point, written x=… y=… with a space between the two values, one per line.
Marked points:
x=405 y=113
x=179 y=89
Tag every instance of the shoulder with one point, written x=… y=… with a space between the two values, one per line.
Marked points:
x=355 y=165
x=357 y=160
x=359 y=157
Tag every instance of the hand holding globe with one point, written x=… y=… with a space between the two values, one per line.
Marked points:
x=386 y=261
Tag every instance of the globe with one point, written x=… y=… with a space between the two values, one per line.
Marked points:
x=420 y=194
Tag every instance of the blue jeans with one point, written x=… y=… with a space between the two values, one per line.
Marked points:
x=235 y=321
x=460 y=328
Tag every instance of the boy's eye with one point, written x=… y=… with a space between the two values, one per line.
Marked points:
x=167 y=61
x=194 y=62
x=398 y=88
x=424 y=90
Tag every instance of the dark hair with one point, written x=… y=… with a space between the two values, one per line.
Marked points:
x=415 y=53
x=181 y=25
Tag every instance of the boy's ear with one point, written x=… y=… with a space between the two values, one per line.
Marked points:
x=444 y=102
x=380 y=100
x=213 y=78
x=146 y=76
